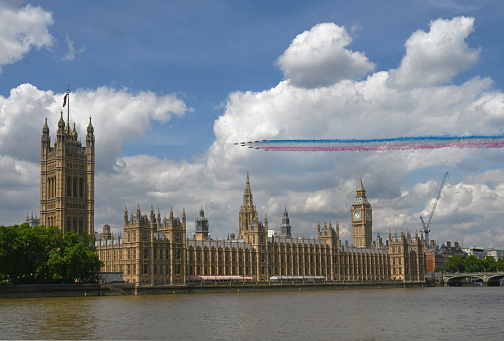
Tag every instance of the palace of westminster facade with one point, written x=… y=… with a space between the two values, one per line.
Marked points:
x=157 y=251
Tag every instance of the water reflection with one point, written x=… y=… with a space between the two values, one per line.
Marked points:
x=432 y=313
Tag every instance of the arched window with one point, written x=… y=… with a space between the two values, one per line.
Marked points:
x=69 y=187
x=75 y=224
x=75 y=188
x=81 y=187
x=81 y=225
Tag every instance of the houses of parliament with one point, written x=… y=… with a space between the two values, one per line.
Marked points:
x=157 y=250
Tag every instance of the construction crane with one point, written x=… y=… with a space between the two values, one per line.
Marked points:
x=426 y=226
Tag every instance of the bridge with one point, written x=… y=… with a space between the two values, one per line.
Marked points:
x=473 y=278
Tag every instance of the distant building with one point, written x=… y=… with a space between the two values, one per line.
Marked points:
x=436 y=256
x=496 y=254
x=156 y=251
x=483 y=253
x=475 y=251
x=33 y=220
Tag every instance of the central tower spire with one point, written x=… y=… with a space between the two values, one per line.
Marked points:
x=247 y=195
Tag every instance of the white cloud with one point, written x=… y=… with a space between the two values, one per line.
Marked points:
x=23 y=29
x=435 y=57
x=118 y=116
x=313 y=186
x=321 y=186
x=70 y=55
x=319 y=58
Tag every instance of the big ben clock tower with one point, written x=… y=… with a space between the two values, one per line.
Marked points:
x=362 y=218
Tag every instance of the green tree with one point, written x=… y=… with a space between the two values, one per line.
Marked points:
x=9 y=253
x=473 y=264
x=82 y=263
x=455 y=264
x=489 y=264
x=37 y=243
x=74 y=260
x=499 y=266
x=37 y=254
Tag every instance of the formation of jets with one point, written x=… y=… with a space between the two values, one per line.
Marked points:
x=249 y=144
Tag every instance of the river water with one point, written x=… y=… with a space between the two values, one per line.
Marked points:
x=369 y=314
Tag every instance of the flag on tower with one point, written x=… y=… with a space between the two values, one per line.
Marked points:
x=65 y=98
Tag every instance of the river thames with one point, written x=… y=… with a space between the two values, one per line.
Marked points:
x=365 y=314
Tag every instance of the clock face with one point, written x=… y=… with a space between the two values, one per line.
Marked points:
x=357 y=215
x=368 y=215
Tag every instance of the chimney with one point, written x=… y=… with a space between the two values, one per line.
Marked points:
x=448 y=244
x=457 y=245
x=432 y=243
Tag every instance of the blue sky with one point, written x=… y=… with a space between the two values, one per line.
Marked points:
x=204 y=74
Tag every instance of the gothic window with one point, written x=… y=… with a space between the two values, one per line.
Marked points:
x=81 y=225
x=81 y=188
x=75 y=187
x=69 y=186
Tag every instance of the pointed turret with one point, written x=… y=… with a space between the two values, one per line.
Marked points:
x=247 y=195
x=202 y=226
x=61 y=124
x=360 y=197
x=90 y=128
x=45 y=129
x=286 y=227
x=90 y=138
x=46 y=139
x=74 y=133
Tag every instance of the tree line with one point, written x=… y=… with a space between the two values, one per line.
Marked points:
x=45 y=255
x=473 y=264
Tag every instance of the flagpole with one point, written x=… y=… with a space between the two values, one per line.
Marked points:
x=68 y=108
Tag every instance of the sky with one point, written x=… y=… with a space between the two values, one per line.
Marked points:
x=172 y=85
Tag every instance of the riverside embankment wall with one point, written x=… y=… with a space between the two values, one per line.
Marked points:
x=80 y=290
